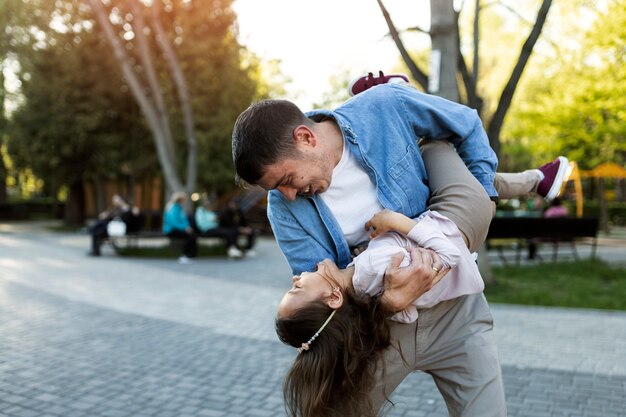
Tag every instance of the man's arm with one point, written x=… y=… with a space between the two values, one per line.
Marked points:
x=402 y=286
x=301 y=249
x=433 y=117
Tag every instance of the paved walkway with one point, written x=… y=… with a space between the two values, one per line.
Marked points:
x=111 y=336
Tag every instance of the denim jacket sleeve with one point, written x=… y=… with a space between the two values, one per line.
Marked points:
x=303 y=239
x=433 y=117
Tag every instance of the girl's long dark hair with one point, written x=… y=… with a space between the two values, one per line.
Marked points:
x=335 y=376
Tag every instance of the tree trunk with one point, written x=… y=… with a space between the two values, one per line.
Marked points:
x=441 y=14
x=495 y=126
x=420 y=77
x=470 y=78
x=75 y=204
x=100 y=198
x=166 y=157
x=3 y=181
x=604 y=208
x=183 y=95
x=3 y=169
x=476 y=43
x=444 y=54
x=150 y=71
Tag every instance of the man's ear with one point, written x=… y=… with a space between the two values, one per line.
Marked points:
x=303 y=135
x=335 y=300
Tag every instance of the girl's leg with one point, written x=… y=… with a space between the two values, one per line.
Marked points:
x=546 y=181
x=517 y=184
x=456 y=193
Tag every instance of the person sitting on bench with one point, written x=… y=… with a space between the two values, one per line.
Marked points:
x=206 y=223
x=176 y=226
x=120 y=209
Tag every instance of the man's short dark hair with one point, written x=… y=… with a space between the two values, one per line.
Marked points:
x=263 y=135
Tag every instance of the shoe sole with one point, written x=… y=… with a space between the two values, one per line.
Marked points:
x=555 y=190
x=352 y=85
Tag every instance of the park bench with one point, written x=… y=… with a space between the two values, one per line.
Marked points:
x=147 y=227
x=133 y=239
x=538 y=230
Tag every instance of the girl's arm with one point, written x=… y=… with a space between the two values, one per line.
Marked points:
x=389 y=221
x=425 y=232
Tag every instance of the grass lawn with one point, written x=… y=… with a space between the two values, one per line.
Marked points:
x=583 y=284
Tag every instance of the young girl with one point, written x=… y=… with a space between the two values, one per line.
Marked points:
x=338 y=318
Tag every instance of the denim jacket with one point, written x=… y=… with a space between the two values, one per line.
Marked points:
x=382 y=127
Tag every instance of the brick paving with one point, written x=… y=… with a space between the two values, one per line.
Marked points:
x=123 y=337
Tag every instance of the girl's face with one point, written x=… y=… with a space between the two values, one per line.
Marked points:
x=323 y=284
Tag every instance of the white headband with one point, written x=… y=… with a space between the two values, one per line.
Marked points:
x=305 y=346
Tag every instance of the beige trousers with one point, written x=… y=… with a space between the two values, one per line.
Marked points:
x=458 y=195
x=510 y=185
x=452 y=341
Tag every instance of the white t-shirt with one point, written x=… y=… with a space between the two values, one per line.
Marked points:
x=352 y=198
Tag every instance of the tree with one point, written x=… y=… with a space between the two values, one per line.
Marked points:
x=224 y=79
x=448 y=67
x=8 y=12
x=573 y=102
x=76 y=123
x=447 y=56
x=3 y=122
x=337 y=93
x=148 y=92
x=197 y=41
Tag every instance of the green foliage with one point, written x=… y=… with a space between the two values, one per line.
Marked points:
x=338 y=92
x=501 y=37
x=575 y=105
x=78 y=119
x=616 y=211
x=220 y=84
x=583 y=284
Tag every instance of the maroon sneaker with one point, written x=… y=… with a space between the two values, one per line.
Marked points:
x=364 y=82
x=553 y=176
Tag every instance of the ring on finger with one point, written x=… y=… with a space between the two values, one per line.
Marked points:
x=435 y=268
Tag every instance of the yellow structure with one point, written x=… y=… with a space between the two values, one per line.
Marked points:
x=573 y=174
x=606 y=170
x=602 y=171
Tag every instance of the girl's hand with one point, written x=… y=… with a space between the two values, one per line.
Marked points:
x=380 y=223
x=387 y=220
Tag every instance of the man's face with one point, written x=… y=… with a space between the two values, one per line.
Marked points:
x=306 y=175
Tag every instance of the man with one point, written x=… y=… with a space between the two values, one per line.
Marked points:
x=328 y=172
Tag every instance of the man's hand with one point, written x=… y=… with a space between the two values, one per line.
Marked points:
x=402 y=286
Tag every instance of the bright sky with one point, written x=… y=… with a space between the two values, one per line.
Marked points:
x=315 y=40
